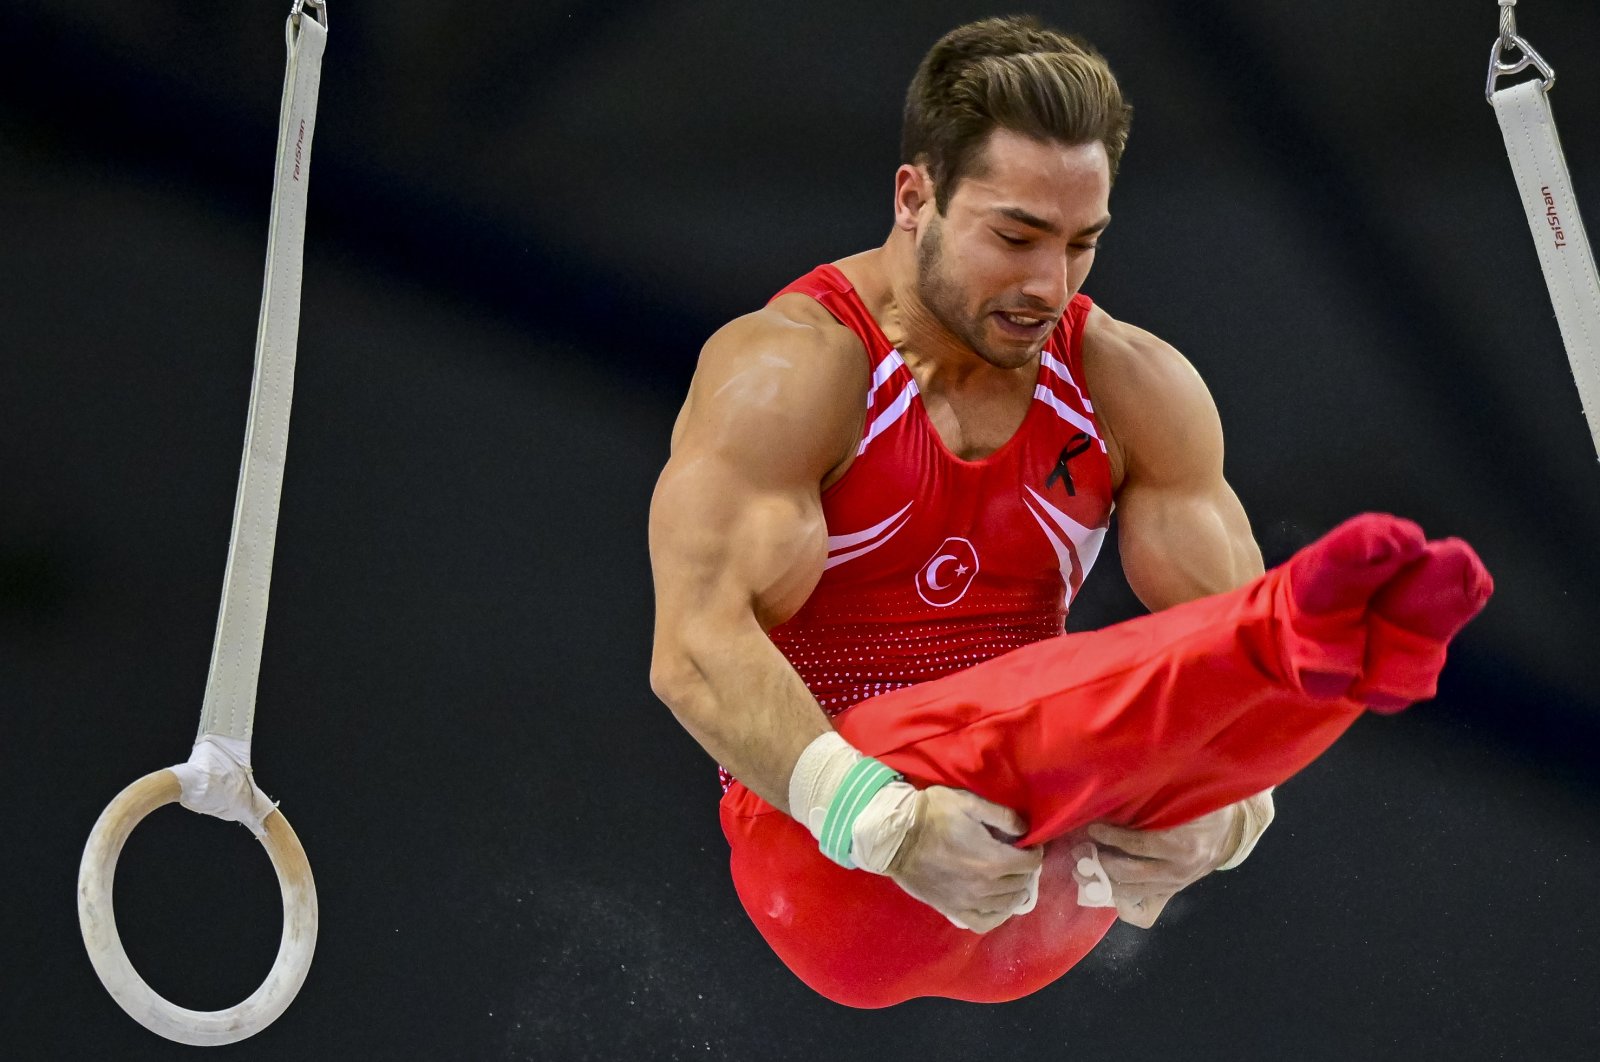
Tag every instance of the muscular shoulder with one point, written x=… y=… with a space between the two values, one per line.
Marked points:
x=788 y=381
x=1159 y=418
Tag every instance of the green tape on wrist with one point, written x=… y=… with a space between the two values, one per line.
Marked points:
x=860 y=785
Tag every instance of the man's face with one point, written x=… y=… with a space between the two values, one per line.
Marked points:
x=1014 y=245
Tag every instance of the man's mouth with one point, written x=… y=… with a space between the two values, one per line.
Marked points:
x=1023 y=324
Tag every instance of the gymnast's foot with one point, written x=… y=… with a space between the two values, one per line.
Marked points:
x=1412 y=619
x=1331 y=583
x=1375 y=604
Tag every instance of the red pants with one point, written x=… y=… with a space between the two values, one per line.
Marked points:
x=1146 y=724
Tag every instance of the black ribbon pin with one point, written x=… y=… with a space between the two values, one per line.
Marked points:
x=1078 y=444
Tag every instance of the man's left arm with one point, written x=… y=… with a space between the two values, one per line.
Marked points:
x=1182 y=534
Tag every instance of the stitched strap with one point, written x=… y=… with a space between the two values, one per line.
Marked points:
x=1569 y=271
x=230 y=698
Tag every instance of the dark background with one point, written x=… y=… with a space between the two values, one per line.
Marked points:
x=524 y=220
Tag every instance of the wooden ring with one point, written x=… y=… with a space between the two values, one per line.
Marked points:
x=99 y=924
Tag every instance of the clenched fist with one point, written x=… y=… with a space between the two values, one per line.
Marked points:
x=1148 y=867
x=957 y=859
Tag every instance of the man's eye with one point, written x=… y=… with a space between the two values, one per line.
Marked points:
x=1085 y=246
x=1012 y=240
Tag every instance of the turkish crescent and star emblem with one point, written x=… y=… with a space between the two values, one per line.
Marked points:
x=946 y=577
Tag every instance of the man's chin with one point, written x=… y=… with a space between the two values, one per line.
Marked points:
x=1010 y=356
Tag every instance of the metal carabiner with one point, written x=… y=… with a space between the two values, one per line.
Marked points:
x=319 y=6
x=1499 y=68
x=1511 y=40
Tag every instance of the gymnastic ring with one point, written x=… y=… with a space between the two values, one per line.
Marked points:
x=99 y=924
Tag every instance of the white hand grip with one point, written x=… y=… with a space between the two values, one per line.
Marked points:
x=1094 y=886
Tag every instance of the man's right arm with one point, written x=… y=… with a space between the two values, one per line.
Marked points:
x=737 y=544
x=738 y=540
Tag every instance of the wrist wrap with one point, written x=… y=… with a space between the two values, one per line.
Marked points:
x=863 y=781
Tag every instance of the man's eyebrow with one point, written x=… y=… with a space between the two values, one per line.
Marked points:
x=1021 y=216
x=1099 y=226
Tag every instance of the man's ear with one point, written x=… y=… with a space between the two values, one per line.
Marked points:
x=913 y=192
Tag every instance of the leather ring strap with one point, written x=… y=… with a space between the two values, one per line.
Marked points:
x=230 y=697
x=1540 y=167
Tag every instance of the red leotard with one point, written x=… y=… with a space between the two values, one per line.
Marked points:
x=938 y=625
x=935 y=563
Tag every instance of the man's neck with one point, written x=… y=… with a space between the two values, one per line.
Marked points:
x=886 y=279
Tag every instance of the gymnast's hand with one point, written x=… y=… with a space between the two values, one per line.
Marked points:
x=955 y=859
x=1148 y=867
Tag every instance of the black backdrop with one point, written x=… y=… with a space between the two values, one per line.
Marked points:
x=524 y=220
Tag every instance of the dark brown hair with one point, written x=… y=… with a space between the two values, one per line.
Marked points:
x=1007 y=73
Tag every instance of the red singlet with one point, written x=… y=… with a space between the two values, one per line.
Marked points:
x=935 y=563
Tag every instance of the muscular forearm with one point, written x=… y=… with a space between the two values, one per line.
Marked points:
x=743 y=702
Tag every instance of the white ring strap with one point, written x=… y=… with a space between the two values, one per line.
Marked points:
x=217 y=779
x=1540 y=167
x=230 y=700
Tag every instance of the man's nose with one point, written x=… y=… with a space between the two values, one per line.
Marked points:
x=1048 y=284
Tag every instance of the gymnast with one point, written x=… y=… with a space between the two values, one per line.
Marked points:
x=886 y=488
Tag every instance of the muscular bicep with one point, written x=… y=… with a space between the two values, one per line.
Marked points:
x=1178 y=545
x=1182 y=532
x=725 y=546
x=736 y=524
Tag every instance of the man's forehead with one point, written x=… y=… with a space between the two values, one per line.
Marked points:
x=1055 y=209
x=1066 y=186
